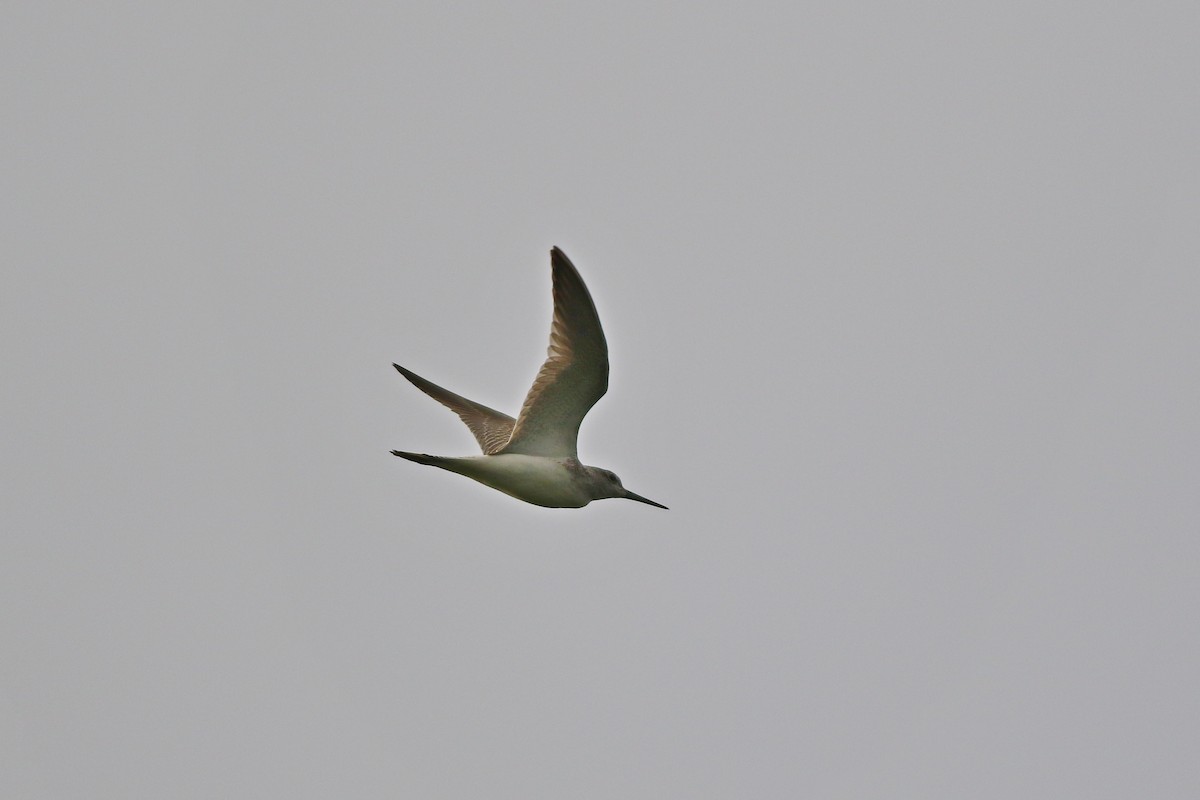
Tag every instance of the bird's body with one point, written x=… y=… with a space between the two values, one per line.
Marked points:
x=533 y=457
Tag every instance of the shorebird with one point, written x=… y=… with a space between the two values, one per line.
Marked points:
x=533 y=457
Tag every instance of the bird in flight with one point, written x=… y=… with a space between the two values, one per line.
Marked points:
x=533 y=457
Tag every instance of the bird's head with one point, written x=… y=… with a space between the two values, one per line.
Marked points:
x=606 y=484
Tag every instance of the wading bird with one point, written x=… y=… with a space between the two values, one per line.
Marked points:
x=533 y=458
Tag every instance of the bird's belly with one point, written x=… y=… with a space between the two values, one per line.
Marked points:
x=534 y=479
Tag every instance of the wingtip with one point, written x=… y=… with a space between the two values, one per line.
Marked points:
x=559 y=261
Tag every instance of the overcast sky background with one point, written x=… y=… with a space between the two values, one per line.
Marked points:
x=901 y=301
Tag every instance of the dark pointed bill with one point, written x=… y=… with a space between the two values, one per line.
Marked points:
x=631 y=496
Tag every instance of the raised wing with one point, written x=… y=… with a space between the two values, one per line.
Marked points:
x=491 y=428
x=574 y=376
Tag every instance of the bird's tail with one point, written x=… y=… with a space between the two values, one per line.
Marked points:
x=420 y=458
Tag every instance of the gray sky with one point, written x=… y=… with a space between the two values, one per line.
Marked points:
x=902 y=308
